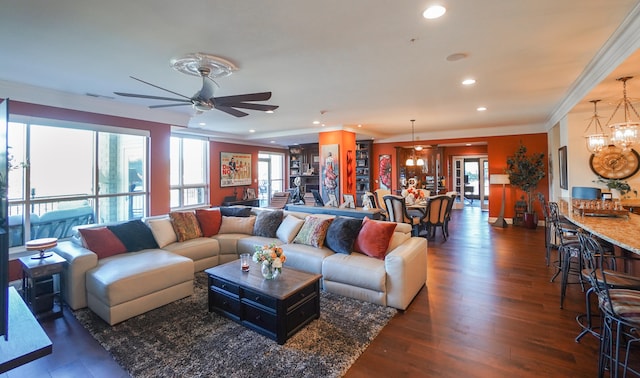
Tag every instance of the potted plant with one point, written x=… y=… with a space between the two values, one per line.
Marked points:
x=621 y=186
x=525 y=172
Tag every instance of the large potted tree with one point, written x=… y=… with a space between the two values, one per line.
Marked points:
x=525 y=172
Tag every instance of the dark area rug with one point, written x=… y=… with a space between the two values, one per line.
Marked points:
x=183 y=339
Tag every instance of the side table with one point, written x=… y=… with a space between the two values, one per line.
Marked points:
x=38 y=286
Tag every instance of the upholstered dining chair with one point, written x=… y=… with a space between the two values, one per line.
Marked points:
x=397 y=212
x=436 y=215
x=380 y=193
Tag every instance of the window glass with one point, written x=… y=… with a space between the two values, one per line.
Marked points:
x=61 y=161
x=189 y=172
x=120 y=163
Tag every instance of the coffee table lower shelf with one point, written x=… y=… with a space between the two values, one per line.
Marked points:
x=276 y=308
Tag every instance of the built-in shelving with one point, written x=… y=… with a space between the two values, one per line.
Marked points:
x=304 y=162
x=363 y=169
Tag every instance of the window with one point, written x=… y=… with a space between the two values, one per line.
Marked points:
x=189 y=172
x=68 y=174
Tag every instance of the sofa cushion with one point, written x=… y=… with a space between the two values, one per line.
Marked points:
x=267 y=223
x=305 y=257
x=235 y=211
x=162 y=230
x=209 y=220
x=102 y=241
x=186 y=225
x=342 y=234
x=248 y=244
x=374 y=237
x=195 y=249
x=135 y=235
x=356 y=270
x=289 y=228
x=313 y=231
x=237 y=225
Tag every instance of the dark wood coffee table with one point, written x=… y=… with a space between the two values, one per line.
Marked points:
x=275 y=308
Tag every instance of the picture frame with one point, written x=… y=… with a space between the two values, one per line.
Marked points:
x=349 y=201
x=384 y=169
x=250 y=194
x=330 y=174
x=562 y=167
x=235 y=169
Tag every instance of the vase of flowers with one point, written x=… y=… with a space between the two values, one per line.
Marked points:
x=271 y=257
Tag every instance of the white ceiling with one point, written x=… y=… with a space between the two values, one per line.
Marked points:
x=373 y=63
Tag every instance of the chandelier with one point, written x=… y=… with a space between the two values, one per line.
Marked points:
x=598 y=140
x=624 y=134
x=412 y=161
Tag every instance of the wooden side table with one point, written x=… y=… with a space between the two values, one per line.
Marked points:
x=38 y=286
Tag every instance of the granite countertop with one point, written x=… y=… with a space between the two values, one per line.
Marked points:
x=622 y=231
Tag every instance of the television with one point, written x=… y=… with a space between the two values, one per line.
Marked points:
x=317 y=197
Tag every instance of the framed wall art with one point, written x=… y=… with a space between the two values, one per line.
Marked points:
x=330 y=174
x=235 y=169
x=562 y=166
x=384 y=167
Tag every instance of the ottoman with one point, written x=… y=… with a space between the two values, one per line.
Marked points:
x=130 y=284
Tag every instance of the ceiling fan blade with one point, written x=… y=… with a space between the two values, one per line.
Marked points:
x=151 y=97
x=232 y=111
x=224 y=100
x=164 y=89
x=166 y=106
x=246 y=105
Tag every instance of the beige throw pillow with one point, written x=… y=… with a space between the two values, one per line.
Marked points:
x=237 y=225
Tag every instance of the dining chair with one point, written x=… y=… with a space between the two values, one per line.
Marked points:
x=453 y=195
x=397 y=212
x=380 y=193
x=436 y=215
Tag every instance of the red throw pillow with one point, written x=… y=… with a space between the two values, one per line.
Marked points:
x=210 y=221
x=102 y=242
x=374 y=237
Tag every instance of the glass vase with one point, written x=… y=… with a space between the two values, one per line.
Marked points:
x=269 y=272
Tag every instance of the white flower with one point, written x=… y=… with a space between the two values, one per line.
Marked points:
x=277 y=263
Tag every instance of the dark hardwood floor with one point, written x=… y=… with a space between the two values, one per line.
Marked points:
x=488 y=310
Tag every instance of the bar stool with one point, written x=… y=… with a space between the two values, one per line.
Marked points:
x=594 y=264
x=621 y=311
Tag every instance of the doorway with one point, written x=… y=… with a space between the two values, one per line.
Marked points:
x=471 y=178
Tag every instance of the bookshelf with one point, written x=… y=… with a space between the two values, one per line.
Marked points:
x=363 y=168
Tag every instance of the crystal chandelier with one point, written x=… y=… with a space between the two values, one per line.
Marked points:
x=598 y=140
x=412 y=161
x=624 y=134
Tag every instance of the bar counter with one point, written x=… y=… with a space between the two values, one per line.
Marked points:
x=621 y=231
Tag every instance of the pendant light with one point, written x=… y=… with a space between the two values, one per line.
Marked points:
x=412 y=161
x=624 y=134
x=598 y=140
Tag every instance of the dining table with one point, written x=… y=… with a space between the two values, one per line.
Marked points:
x=621 y=229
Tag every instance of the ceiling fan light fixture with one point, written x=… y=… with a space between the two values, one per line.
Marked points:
x=194 y=63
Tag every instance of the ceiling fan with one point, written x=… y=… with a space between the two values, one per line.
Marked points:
x=203 y=100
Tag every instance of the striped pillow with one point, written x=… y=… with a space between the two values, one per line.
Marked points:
x=313 y=231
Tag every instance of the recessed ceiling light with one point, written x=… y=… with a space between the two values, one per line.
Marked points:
x=468 y=81
x=273 y=141
x=359 y=125
x=202 y=124
x=468 y=144
x=434 y=11
x=316 y=122
x=481 y=108
x=252 y=131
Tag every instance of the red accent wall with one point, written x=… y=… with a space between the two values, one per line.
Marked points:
x=217 y=192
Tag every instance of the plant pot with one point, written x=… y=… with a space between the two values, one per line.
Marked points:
x=531 y=220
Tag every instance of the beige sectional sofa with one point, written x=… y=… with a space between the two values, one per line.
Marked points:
x=128 y=284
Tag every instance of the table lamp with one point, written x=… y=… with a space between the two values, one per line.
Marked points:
x=41 y=245
x=504 y=180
